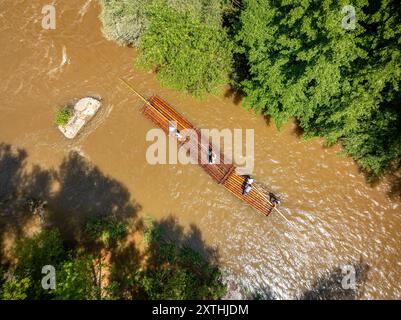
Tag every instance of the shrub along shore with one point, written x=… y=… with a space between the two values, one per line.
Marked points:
x=106 y=265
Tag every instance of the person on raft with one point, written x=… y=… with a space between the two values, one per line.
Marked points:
x=212 y=156
x=273 y=199
x=173 y=131
x=248 y=185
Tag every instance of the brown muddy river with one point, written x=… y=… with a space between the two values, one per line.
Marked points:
x=336 y=217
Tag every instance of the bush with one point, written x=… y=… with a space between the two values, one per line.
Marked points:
x=124 y=20
x=188 y=53
x=45 y=248
x=178 y=272
x=76 y=279
x=14 y=289
x=151 y=233
x=63 y=116
x=107 y=229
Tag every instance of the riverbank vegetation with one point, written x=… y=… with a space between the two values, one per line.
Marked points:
x=90 y=231
x=162 y=270
x=124 y=20
x=341 y=84
x=191 y=52
x=300 y=59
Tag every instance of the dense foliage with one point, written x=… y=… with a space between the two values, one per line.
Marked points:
x=109 y=230
x=339 y=83
x=178 y=272
x=77 y=280
x=191 y=52
x=124 y=20
x=183 y=40
x=15 y=289
x=168 y=271
x=45 y=248
x=74 y=271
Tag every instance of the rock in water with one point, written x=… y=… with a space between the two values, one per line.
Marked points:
x=84 y=110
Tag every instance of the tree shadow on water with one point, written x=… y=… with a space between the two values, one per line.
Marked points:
x=298 y=131
x=19 y=185
x=395 y=185
x=236 y=95
x=331 y=286
x=11 y=175
x=84 y=193
x=71 y=195
x=16 y=181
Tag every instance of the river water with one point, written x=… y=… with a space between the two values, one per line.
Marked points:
x=335 y=217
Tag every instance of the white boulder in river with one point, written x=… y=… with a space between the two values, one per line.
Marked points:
x=84 y=110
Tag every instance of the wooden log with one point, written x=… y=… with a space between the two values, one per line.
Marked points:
x=226 y=176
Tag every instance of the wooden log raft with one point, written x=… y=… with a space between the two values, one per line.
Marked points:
x=161 y=113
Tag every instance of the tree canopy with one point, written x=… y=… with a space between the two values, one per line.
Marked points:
x=188 y=48
x=340 y=83
x=165 y=270
x=124 y=20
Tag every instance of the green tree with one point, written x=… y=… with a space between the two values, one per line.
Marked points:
x=178 y=272
x=124 y=20
x=108 y=229
x=181 y=274
x=76 y=279
x=189 y=48
x=339 y=83
x=45 y=248
x=14 y=289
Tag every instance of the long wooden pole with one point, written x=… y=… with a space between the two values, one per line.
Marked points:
x=142 y=98
x=274 y=206
x=134 y=91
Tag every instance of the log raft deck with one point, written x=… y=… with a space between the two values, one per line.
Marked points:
x=161 y=114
